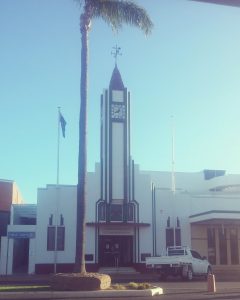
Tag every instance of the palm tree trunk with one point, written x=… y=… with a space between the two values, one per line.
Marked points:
x=82 y=158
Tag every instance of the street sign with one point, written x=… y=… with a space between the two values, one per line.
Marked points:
x=21 y=235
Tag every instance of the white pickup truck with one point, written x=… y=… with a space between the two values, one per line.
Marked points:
x=179 y=261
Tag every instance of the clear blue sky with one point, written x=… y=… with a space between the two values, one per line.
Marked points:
x=189 y=67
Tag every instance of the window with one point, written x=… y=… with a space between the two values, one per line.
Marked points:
x=50 y=238
x=222 y=246
x=60 y=238
x=173 y=252
x=234 y=246
x=130 y=212
x=170 y=233
x=102 y=212
x=211 y=245
x=195 y=254
x=178 y=222
x=168 y=222
x=51 y=231
x=61 y=220
x=27 y=221
x=116 y=212
x=170 y=237
x=178 y=236
x=50 y=222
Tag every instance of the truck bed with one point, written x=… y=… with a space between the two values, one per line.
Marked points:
x=167 y=260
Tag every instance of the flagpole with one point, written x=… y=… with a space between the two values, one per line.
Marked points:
x=58 y=144
x=57 y=191
x=173 y=181
x=173 y=157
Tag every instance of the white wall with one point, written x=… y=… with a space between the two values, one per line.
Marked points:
x=187 y=201
x=56 y=200
x=117 y=161
x=93 y=193
x=143 y=196
x=214 y=201
x=192 y=196
x=62 y=200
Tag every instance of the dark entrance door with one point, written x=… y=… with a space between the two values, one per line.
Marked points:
x=115 y=251
x=20 y=255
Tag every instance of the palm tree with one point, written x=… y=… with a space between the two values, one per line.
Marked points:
x=115 y=13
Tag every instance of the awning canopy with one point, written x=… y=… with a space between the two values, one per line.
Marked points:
x=215 y=217
x=100 y=224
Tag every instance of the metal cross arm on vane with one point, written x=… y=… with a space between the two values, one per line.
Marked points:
x=115 y=52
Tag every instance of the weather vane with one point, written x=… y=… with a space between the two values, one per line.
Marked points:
x=115 y=52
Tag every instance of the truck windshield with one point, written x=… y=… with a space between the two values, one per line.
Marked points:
x=173 y=252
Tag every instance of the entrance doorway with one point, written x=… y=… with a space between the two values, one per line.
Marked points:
x=115 y=251
x=20 y=255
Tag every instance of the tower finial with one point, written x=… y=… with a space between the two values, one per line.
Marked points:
x=116 y=52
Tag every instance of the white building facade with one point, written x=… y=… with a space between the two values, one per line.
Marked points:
x=131 y=213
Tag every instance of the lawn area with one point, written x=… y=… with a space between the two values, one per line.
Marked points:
x=33 y=288
x=24 y=288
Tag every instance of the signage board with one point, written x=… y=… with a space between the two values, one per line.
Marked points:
x=21 y=235
x=116 y=230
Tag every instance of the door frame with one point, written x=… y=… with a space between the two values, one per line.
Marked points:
x=115 y=250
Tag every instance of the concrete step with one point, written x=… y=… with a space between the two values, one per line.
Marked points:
x=227 y=273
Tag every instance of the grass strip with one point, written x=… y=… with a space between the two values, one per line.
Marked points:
x=34 y=288
x=24 y=288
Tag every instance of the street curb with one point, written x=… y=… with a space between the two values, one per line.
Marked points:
x=82 y=294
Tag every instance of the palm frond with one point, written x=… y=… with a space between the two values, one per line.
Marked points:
x=119 y=12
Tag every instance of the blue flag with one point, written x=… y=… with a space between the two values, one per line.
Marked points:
x=63 y=123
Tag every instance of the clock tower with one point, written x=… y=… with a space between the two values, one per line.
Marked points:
x=116 y=208
x=115 y=148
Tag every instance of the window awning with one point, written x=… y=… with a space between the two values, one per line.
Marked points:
x=216 y=217
x=132 y=224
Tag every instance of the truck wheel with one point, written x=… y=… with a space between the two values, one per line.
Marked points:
x=189 y=274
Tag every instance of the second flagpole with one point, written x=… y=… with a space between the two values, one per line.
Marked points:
x=57 y=192
x=58 y=145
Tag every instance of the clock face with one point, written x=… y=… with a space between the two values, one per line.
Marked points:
x=118 y=111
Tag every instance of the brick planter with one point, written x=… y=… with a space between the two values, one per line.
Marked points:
x=80 y=282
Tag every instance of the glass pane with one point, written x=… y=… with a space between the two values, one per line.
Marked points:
x=60 y=238
x=178 y=236
x=169 y=237
x=51 y=238
x=116 y=212
x=211 y=245
x=130 y=212
x=234 y=246
x=195 y=254
x=222 y=246
x=102 y=212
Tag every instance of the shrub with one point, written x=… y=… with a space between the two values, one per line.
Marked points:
x=139 y=286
